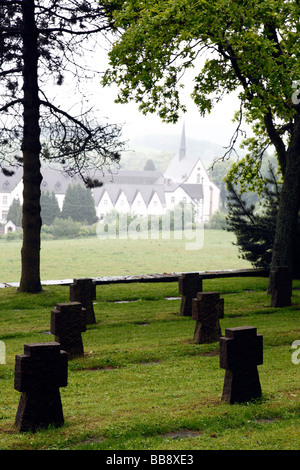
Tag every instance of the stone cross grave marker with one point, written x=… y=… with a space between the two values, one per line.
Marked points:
x=189 y=285
x=39 y=373
x=241 y=351
x=84 y=291
x=207 y=309
x=68 y=321
x=281 y=283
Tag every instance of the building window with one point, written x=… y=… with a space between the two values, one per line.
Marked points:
x=173 y=200
x=105 y=202
x=4 y=200
x=4 y=215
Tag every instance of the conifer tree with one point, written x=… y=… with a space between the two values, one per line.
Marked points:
x=15 y=213
x=79 y=204
x=255 y=224
x=49 y=207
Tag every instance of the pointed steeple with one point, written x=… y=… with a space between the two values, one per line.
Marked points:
x=182 y=149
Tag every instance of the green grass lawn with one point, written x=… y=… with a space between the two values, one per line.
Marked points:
x=143 y=383
x=92 y=257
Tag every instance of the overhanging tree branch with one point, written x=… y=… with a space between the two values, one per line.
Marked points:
x=41 y=39
x=258 y=49
x=6 y=107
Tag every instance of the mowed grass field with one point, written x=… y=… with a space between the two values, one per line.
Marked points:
x=94 y=257
x=143 y=384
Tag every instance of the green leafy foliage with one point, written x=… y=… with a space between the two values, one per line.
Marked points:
x=251 y=47
x=247 y=47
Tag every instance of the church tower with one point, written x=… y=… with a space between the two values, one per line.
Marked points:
x=182 y=148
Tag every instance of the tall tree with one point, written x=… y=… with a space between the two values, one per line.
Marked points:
x=41 y=41
x=49 y=207
x=252 y=48
x=79 y=204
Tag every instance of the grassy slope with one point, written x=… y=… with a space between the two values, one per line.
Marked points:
x=143 y=382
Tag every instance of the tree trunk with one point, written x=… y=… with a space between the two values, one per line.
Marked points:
x=287 y=219
x=31 y=223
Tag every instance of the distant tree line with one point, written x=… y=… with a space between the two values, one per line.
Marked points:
x=78 y=206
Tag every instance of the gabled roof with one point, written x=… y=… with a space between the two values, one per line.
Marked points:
x=57 y=181
x=180 y=168
x=130 y=190
x=53 y=180
x=147 y=192
x=127 y=176
x=170 y=186
x=195 y=191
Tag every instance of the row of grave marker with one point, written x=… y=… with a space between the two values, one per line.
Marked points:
x=43 y=368
x=241 y=349
x=280 y=279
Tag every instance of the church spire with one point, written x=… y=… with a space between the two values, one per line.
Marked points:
x=182 y=149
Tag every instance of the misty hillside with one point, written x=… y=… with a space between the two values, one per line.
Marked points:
x=162 y=148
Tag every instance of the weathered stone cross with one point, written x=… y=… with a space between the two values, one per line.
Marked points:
x=189 y=285
x=241 y=351
x=68 y=321
x=39 y=373
x=84 y=291
x=207 y=309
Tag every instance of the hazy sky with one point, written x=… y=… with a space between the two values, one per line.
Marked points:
x=216 y=127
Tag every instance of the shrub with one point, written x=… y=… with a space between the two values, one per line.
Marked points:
x=217 y=221
x=65 y=228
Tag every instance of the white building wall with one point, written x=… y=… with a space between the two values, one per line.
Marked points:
x=155 y=206
x=198 y=174
x=105 y=205
x=122 y=204
x=138 y=206
x=6 y=198
x=211 y=200
x=211 y=193
x=5 y=201
x=60 y=200
x=216 y=198
x=175 y=197
x=17 y=192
